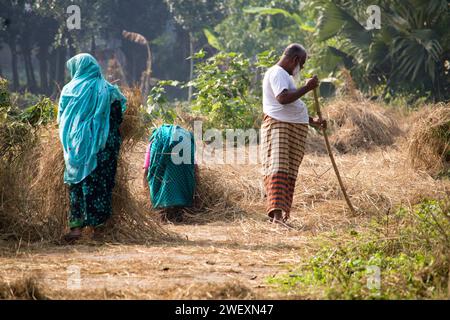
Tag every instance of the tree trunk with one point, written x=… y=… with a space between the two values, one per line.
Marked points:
x=15 y=73
x=29 y=70
x=33 y=83
x=52 y=70
x=72 y=49
x=191 y=72
x=60 y=69
x=43 y=68
x=147 y=74
x=93 y=46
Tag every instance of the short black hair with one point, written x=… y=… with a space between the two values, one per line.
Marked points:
x=294 y=50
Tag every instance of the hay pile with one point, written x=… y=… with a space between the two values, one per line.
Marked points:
x=360 y=124
x=23 y=289
x=429 y=141
x=34 y=200
x=225 y=193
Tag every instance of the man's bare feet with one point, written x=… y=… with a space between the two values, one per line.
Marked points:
x=279 y=218
x=275 y=216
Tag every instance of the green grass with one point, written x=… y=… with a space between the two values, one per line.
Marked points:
x=411 y=254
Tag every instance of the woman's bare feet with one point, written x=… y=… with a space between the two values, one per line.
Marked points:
x=171 y=215
x=73 y=236
x=98 y=233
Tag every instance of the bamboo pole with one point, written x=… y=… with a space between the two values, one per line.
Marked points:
x=330 y=153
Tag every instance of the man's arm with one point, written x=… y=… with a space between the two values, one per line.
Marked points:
x=287 y=97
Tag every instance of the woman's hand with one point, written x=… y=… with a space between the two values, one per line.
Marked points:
x=144 y=180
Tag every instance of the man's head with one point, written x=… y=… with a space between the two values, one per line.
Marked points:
x=294 y=58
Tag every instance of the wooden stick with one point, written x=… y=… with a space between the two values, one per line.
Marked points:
x=330 y=153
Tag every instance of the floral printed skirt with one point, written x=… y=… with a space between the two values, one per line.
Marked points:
x=91 y=199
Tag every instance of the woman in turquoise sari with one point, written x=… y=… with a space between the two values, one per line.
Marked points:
x=89 y=116
x=169 y=170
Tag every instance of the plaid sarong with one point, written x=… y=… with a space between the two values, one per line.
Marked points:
x=283 y=148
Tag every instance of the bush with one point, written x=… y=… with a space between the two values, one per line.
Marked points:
x=223 y=92
x=42 y=113
x=24 y=100
x=5 y=102
x=158 y=105
x=227 y=91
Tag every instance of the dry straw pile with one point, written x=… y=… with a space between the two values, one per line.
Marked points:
x=34 y=199
x=22 y=289
x=429 y=141
x=360 y=124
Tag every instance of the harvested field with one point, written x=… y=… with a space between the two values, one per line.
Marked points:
x=225 y=248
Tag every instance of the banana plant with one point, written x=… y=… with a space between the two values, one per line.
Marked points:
x=274 y=11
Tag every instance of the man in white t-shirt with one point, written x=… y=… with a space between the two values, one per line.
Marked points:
x=285 y=130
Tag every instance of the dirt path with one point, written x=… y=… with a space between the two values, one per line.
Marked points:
x=233 y=253
x=219 y=260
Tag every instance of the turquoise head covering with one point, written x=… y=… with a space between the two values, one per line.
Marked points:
x=83 y=116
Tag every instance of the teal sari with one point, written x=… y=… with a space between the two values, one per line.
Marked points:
x=171 y=175
x=83 y=116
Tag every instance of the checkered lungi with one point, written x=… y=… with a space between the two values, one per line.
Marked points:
x=283 y=149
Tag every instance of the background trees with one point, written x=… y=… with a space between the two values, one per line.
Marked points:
x=409 y=55
x=37 y=38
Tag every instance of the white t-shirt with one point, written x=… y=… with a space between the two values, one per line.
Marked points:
x=276 y=80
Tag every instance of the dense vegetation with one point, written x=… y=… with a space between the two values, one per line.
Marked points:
x=408 y=56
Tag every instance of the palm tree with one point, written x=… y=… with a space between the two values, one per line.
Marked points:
x=411 y=51
x=409 y=54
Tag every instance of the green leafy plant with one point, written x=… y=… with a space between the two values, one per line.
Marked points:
x=223 y=91
x=158 y=104
x=408 y=53
x=5 y=102
x=42 y=113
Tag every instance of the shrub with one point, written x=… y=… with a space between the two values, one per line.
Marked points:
x=5 y=102
x=223 y=92
x=413 y=260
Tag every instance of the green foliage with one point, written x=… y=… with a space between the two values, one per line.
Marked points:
x=227 y=90
x=223 y=92
x=267 y=59
x=413 y=261
x=407 y=55
x=5 y=102
x=275 y=11
x=14 y=134
x=42 y=113
x=158 y=104
x=195 y=15
x=22 y=100
x=213 y=40
x=254 y=30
